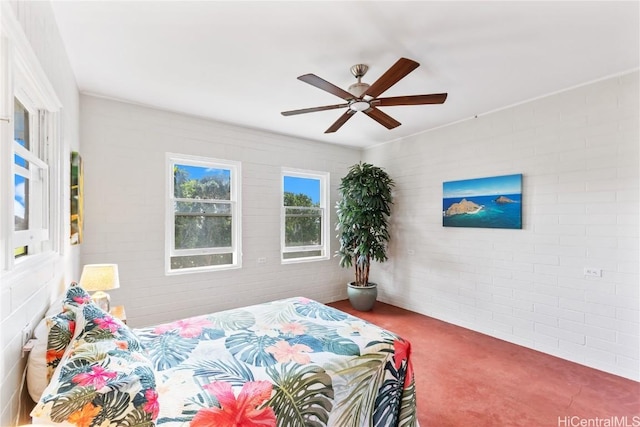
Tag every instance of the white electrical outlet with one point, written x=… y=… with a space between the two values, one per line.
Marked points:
x=26 y=334
x=593 y=272
x=262 y=260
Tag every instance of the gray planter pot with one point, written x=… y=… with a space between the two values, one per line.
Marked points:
x=362 y=298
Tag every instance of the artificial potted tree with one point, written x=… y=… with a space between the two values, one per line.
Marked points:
x=363 y=230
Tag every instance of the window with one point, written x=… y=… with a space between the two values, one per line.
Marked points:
x=203 y=214
x=29 y=155
x=305 y=219
x=30 y=177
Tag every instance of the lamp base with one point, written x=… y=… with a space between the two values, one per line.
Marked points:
x=102 y=300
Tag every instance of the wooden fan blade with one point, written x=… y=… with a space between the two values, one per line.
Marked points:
x=434 y=98
x=382 y=118
x=316 y=81
x=341 y=120
x=313 y=109
x=392 y=76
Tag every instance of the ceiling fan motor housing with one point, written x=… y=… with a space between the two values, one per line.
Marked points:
x=359 y=70
x=357 y=89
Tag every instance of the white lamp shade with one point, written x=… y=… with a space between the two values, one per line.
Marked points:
x=100 y=277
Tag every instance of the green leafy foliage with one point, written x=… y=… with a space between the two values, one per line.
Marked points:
x=408 y=415
x=363 y=214
x=112 y=405
x=336 y=344
x=203 y=221
x=230 y=370
x=233 y=321
x=60 y=333
x=389 y=397
x=67 y=404
x=278 y=313
x=170 y=349
x=319 y=311
x=303 y=224
x=137 y=418
x=251 y=348
x=303 y=395
x=360 y=381
x=320 y=339
x=98 y=334
x=211 y=187
x=146 y=377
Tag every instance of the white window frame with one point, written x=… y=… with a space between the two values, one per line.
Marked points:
x=37 y=175
x=236 y=214
x=324 y=179
x=22 y=78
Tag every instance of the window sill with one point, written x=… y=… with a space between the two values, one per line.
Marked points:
x=301 y=260
x=202 y=270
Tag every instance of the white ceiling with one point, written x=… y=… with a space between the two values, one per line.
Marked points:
x=237 y=61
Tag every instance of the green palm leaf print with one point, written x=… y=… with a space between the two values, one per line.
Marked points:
x=303 y=395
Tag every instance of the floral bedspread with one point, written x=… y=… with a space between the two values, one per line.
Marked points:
x=100 y=375
x=292 y=362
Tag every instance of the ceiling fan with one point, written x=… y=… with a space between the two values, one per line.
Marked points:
x=364 y=97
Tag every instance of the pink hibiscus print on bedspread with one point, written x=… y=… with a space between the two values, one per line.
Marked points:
x=107 y=322
x=187 y=328
x=82 y=299
x=242 y=411
x=293 y=328
x=285 y=352
x=97 y=377
x=152 y=406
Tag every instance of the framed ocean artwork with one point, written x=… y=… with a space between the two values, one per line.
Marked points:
x=492 y=202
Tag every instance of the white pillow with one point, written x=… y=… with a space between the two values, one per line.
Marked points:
x=37 y=369
x=56 y=306
x=37 y=363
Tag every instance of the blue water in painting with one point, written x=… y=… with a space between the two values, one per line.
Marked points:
x=492 y=215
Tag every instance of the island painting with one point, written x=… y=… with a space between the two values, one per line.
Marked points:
x=493 y=202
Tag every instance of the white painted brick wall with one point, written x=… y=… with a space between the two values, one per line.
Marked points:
x=578 y=152
x=124 y=157
x=27 y=294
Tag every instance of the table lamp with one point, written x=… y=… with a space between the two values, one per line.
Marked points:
x=100 y=278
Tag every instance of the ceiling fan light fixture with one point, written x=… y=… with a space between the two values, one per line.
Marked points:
x=359 y=105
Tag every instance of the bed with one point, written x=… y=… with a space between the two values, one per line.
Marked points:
x=291 y=362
